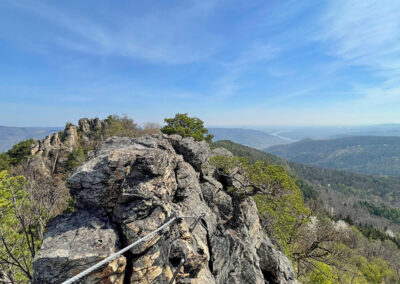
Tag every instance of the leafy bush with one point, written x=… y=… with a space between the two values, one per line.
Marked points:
x=375 y=270
x=116 y=125
x=75 y=158
x=4 y=161
x=279 y=200
x=286 y=210
x=322 y=275
x=18 y=240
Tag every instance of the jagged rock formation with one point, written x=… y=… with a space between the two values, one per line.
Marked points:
x=49 y=154
x=129 y=187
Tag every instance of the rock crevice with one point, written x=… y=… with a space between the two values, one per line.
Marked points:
x=129 y=187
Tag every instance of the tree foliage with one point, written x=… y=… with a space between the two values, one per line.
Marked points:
x=285 y=211
x=120 y=126
x=382 y=210
x=16 y=154
x=17 y=237
x=328 y=252
x=323 y=274
x=278 y=199
x=374 y=270
x=373 y=233
x=25 y=209
x=187 y=126
x=75 y=158
x=123 y=126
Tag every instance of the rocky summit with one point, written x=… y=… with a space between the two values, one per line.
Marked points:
x=129 y=187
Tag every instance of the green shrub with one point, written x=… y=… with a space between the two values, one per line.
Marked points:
x=279 y=200
x=116 y=125
x=16 y=154
x=323 y=274
x=18 y=240
x=75 y=158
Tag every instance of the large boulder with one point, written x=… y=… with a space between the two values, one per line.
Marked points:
x=138 y=185
x=123 y=175
x=74 y=242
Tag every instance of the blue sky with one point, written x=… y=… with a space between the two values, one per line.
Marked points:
x=228 y=62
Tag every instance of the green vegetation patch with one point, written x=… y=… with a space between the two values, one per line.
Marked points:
x=76 y=158
x=382 y=210
x=187 y=126
x=16 y=154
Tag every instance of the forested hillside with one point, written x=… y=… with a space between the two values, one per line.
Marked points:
x=377 y=155
x=340 y=191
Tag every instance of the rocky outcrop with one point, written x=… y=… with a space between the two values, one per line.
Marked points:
x=128 y=188
x=48 y=155
x=91 y=238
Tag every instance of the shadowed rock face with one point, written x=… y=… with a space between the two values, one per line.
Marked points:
x=128 y=188
x=75 y=240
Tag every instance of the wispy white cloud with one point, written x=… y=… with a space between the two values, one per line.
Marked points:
x=177 y=35
x=254 y=53
x=172 y=36
x=381 y=95
x=366 y=34
x=362 y=32
x=269 y=62
x=231 y=82
x=298 y=93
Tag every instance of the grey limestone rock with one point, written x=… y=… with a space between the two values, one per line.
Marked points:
x=72 y=243
x=135 y=186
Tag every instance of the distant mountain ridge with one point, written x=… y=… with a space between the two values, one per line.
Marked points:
x=332 y=132
x=12 y=135
x=249 y=137
x=379 y=155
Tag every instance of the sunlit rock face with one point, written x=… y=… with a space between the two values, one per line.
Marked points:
x=129 y=187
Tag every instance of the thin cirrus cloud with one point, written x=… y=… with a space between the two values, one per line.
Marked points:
x=159 y=38
x=216 y=58
x=366 y=34
x=362 y=32
x=231 y=83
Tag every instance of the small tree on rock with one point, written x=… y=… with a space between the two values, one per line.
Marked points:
x=278 y=199
x=187 y=126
